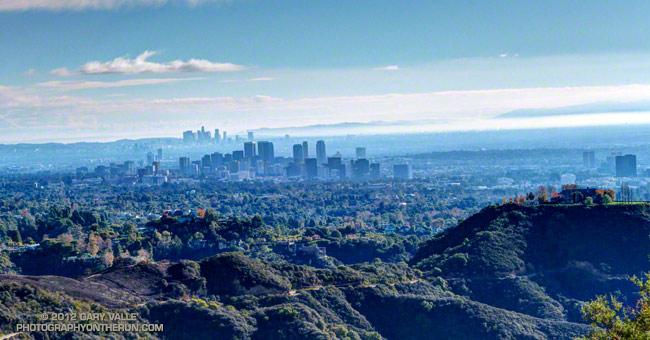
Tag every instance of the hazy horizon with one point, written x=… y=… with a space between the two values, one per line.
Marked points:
x=176 y=65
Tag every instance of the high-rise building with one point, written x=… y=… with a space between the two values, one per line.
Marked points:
x=361 y=153
x=184 y=163
x=217 y=159
x=311 y=167
x=626 y=166
x=150 y=157
x=321 y=156
x=250 y=150
x=402 y=171
x=250 y=136
x=360 y=168
x=206 y=161
x=238 y=155
x=334 y=163
x=225 y=137
x=156 y=167
x=265 y=151
x=298 y=153
x=160 y=154
x=189 y=137
x=305 y=150
x=589 y=159
x=374 y=171
x=217 y=136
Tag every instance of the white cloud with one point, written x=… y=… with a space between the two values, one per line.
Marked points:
x=261 y=79
x=61 y=72
x=80 y=85
x=78 y=5
x=140 y=65
x=387 y=68
x=503 y=55
x=30 y=72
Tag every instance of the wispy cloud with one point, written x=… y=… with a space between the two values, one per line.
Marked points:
x=387 y=68
x=80 y=85
x=61 y=72
x=140 y=65
x=78 y=5
x=246 y=80
x=30 y=72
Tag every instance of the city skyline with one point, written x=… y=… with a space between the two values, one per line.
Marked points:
x=456 y=65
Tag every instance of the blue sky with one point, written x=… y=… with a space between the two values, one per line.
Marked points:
x=107 y=69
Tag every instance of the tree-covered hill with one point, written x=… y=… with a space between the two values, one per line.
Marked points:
x=507 y=272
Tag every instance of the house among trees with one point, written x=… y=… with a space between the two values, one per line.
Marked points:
x=572 y=194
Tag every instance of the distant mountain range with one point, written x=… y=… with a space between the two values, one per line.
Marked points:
x=591 y=108
x=345 y=127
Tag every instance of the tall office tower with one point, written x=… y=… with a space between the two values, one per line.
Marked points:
x=217 y=160
x=249 y=150
x=188 y=137
x=589 y=159
x=297 y=153
x=217 y=136
x=227 y=158
x=311 y=167
x=160 y=154
x=611 y=161
x=305 y=150
x=293 y=170
x=250 y=135
x=184 y=163
x=265 y=151
x=626 y=166
x=234 y=166
x=238 y=155
x=150 y=158
x=334 y=163
x=321 y=156
x=374 y=171
x=225 y=138
x=207 y=137
x=360 y=169
x=156 y=167
x=361 y=153
x=402 y=171
x=206 y=161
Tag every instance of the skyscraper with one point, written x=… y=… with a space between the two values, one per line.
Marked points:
x=184 y=163
x=250 y=136
x=626 y=166
x=402 y=171
x=249 y=150
x=160 y=154
x=589 y=159
x=305 y=150
x=298 y=153
x=311 y=167
x=188 y=137
x=225 y=138
x=265 y=151
x=374 y=171
x=321 y=156
x=360 y=169
x=217 y=160
x=217 y=136
x=361 y=153
x=238 y=155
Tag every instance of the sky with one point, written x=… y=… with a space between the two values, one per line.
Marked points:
x=98 y=70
